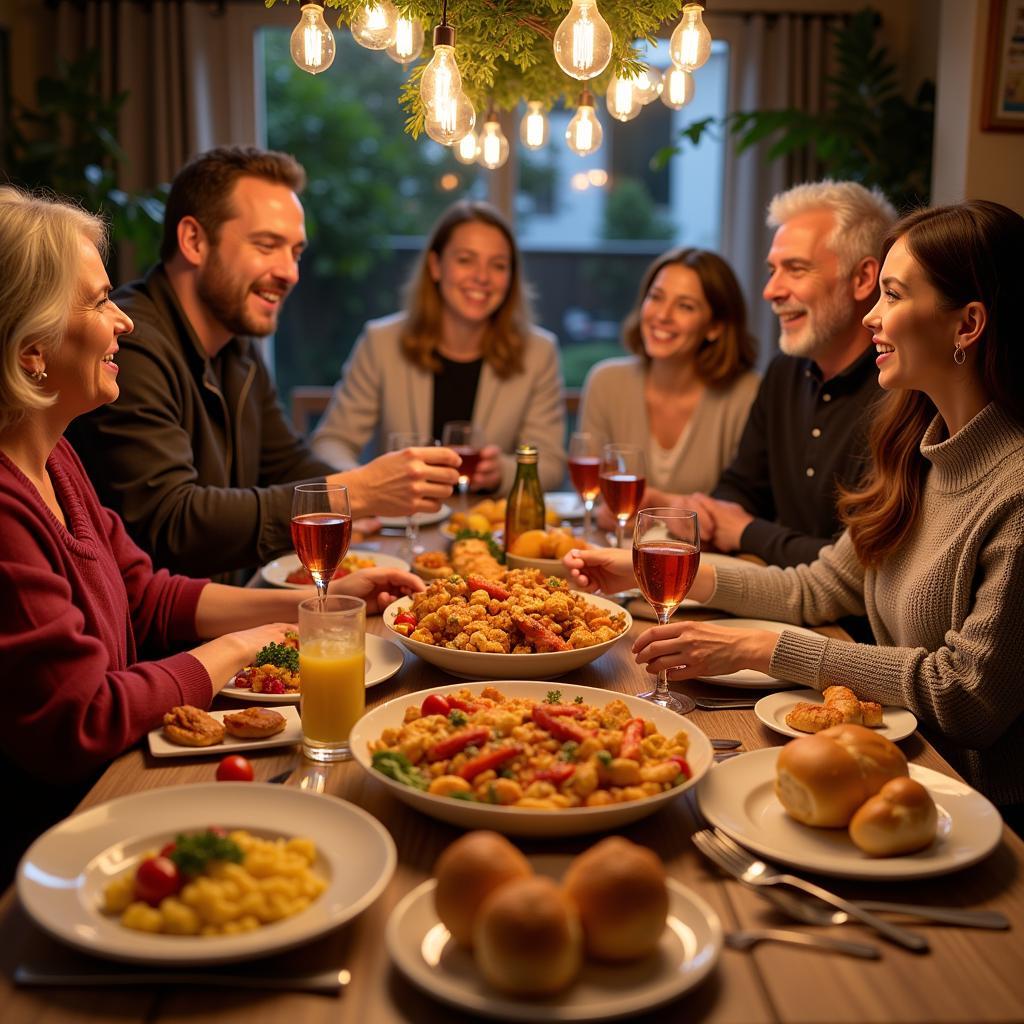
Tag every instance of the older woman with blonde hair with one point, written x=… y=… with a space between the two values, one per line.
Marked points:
x=684 y=393
x=464 y=349
x=79 y=602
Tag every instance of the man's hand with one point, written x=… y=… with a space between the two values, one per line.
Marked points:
x=377 y=587
x=688 y=650
x=399 y=483
x=729 y=519
x=606 y=569
x=488 y=470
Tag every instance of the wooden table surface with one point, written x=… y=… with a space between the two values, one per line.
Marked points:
x=969 y=975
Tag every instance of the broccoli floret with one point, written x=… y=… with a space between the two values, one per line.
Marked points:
x=280 y=656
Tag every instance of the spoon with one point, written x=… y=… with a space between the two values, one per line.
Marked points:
x=746 y=939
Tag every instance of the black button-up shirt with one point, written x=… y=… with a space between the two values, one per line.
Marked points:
x=804 y=437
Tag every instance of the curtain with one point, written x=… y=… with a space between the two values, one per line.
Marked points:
x=775 y=61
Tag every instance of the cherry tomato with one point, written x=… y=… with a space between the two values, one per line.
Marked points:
x=156 y=879
x=435 y=704
x=406 y=617
x=167 y=849
x=234 y=768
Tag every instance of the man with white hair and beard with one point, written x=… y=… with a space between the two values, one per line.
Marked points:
x=806 y=432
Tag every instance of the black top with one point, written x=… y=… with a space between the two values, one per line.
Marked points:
x=803 y=438
x=454 y=392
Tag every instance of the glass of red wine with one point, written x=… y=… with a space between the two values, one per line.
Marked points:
x=585 y=472
x=666 y=554
x=623 y=480
x=321 y=529
x=464 y=439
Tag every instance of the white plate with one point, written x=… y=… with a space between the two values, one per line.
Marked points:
x=160 y=746
x=748 y=678
x=62 y=876
x=739 y=797
x=522 y=821
x=276 y=573
x=565 y=504
x=422 y=518
x=383 y=659
x=481 y=665
x=897 y=723
x=690 y=945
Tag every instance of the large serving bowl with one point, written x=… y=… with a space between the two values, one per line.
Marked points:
x=523 y=821
x=479 y=665
x=548 y=566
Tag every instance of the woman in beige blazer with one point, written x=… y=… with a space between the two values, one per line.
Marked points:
x=464 y=349
x=684 y=394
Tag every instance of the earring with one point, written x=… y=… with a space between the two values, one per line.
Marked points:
x=959 y=355
x=37 y=376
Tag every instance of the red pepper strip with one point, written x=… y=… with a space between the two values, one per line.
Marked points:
x=467 y=706
x=540 y=635
x=494 y=590
x=575 y=710
x=684 y=766
x=487 y=760
x=407 y=617
x=458 y=741
x=631 y=737
x=559 y=727
x=557 y=775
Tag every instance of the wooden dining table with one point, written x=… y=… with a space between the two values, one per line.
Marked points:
x=969 y=975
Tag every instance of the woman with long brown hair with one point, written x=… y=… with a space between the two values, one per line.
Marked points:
x=933 y=551
x=684 y=393
x=464 y=349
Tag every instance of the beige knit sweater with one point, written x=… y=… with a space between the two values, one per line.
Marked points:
x=947 y=609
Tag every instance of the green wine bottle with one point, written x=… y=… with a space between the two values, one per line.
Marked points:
x=525 y=507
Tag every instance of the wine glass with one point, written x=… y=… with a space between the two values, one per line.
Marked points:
x=584 y=469
x=321 y=529
x=623 y=481
x=666 y=554
x=464 y=439
x=399 y=441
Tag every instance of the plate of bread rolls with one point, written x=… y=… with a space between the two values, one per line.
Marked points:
x=845 y=802
x=802 y=712
x=552 y=938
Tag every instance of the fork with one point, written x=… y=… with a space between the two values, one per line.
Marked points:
x=750 y=937
x=736 y=861
x=723 y=703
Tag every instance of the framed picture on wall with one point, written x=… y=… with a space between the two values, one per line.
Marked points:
x=1003 y=106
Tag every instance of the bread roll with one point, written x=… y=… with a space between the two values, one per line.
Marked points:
x=527 y=938
x=831 y=693
x=809 y=717
x=899 y=818
x=848 y=710
x=821 y=780
x=254 y=723
x=620 y=892
x=467 y=873
x=190 y=726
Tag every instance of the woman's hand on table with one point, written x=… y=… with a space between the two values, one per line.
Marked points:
x=609 y=570
x=488 y=470
x=691 y=649
x=377 y=587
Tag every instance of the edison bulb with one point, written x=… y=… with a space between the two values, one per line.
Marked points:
x=621 y=99
x=373 y=24
x=584 y=133
x=583 y=42
x=466 y=149
x=690 y=45
x=441 y=82
x=450 y=121
x=312 y=42
x=647 y=85
x=533 y=129
x=678 y=89
x=493 y=147
x=408 y=44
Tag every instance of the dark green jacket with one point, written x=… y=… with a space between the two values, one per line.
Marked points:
x=200 y=465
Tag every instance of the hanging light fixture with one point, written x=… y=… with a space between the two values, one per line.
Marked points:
x=373 y=24
x=690 y=45
x=584 y=133
x=493 y=147
x=647 y=85
x=448 y=112
x=467 y=148
x=312 y=42
x=408 y=44
x=678 y=90
x=621 y=99
x=533 y=129
x=583 y=42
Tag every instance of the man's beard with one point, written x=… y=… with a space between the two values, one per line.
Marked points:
x=832 y=316
x=226 y=298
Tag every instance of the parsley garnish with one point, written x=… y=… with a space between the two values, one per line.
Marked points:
x=457 y=717
x=568 y=751
x=278 y=655
x=193 y=853
x=553 y=697
x=604 y=757
x=578 y=700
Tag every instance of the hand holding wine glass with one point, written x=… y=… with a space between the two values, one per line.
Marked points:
x=464 y=439
x=623 y=481
x=321 y=529
x=585 y=472
x=666 y=556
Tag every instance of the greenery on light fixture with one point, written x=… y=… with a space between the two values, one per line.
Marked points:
x=504 y=50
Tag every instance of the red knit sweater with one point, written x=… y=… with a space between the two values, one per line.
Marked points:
x=77 y=605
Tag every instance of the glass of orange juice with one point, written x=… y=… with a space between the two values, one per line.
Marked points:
x=332 y=670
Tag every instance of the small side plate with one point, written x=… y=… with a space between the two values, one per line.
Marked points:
x=160 y=746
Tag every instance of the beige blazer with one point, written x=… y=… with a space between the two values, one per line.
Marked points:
x=381 y=392
x=613 y=410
